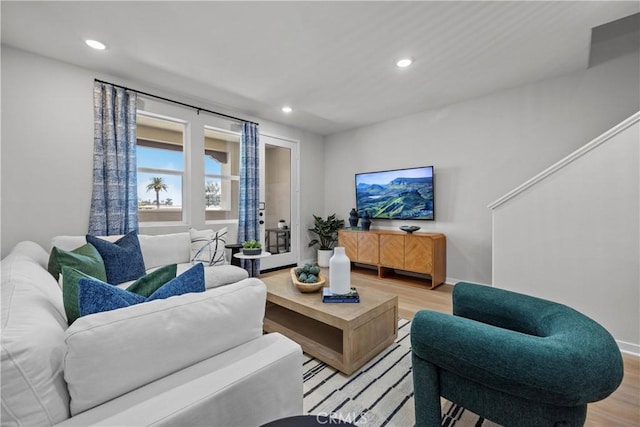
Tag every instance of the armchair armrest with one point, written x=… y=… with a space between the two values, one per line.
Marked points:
x=502 y=308
x=578 y=363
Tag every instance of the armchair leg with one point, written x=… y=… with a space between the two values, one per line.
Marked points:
x=426 y=397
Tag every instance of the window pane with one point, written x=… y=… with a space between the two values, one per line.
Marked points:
x=221 y=165
x=211 y=166
x=155 y=158
x=160 y=163
x=221 y=198
x=159 y=197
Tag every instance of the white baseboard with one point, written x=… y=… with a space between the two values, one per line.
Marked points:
x=629 y=348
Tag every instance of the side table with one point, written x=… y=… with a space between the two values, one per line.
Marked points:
x=252 y=258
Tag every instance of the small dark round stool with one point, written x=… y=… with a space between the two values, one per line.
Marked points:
x=235 y=248
x=308 y=421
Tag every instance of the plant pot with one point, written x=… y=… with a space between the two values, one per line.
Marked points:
x=252 y=251
x=324 y=256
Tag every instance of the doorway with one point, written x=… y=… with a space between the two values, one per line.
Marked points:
x=279 y=210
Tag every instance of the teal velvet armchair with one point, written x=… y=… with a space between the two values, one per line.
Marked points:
x=512 y=359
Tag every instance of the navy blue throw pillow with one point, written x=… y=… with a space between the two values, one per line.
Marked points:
x=95 y=296
x=122 y=259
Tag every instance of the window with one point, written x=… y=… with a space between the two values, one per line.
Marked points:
x=160 y=162
x=221 y=179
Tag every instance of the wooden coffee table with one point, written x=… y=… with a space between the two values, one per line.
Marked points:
x=343 y=335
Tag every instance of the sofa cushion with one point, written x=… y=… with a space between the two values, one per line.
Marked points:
x=208 y=246
x=34 y=392
x=219 y=275
x=95 y=296
x=195 y=326
x=122 y=259
x=85 y=258
x=144 y=286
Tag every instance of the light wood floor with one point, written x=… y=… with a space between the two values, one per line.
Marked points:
x=622 y=408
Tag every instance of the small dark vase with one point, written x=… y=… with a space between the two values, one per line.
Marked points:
x=353 y=218
x=366 y=221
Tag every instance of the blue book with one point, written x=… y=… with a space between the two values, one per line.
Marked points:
x=351 y=297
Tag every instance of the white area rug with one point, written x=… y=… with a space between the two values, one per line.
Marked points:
x=379 y=394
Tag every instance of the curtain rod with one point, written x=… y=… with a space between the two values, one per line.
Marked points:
x=198 y=109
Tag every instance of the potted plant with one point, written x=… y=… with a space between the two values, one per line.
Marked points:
x=327 y=232
x=251 y=247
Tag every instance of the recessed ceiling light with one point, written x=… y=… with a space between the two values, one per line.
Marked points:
x=404 y=62
x=287 y=109
x=95 y=44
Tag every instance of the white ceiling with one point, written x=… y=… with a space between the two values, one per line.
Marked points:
x=333 y=62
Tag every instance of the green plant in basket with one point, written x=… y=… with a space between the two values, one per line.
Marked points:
x=251 y=244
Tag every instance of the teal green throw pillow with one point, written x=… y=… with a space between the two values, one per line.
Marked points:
x=86 y=258
x=145 y=286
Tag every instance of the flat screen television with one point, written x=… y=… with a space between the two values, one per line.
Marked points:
x=396 y=194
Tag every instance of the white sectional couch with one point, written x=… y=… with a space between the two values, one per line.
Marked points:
x=197 y=359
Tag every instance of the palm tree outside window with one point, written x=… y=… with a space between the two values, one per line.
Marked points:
x=157 y=185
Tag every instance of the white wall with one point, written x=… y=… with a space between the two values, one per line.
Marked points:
x=482 y=148
x=47 y=150
x=573 y=236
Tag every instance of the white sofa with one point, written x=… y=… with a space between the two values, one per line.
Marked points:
x=197 y=359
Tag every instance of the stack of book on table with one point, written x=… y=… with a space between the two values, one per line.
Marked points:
x=328 y=296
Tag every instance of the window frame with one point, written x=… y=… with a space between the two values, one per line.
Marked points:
x=173 y=172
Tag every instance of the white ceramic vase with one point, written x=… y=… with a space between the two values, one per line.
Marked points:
x=339 y=272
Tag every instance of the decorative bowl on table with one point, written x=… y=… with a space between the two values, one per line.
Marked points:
x=409 y=228
x=307 y=287
x=252 y=251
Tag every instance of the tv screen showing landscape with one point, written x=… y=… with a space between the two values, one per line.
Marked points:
x=396 y=194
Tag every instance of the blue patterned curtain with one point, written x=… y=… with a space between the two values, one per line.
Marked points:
x=248 y=226
x=114 y=203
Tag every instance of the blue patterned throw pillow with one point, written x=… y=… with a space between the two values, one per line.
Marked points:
x=191 y=280
x=95 y=296
x=122 y=259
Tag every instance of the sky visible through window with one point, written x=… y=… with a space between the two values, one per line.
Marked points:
x=167 y=160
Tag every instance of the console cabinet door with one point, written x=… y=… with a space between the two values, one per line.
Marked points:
x=368 y=251
x=392 y=250
x=349 y=240
x=418 y=255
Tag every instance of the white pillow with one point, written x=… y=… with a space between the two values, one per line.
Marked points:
x=164 y=249
x=114 y=352
x=207 y=246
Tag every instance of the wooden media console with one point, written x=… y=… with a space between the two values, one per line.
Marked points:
x=424 y=253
